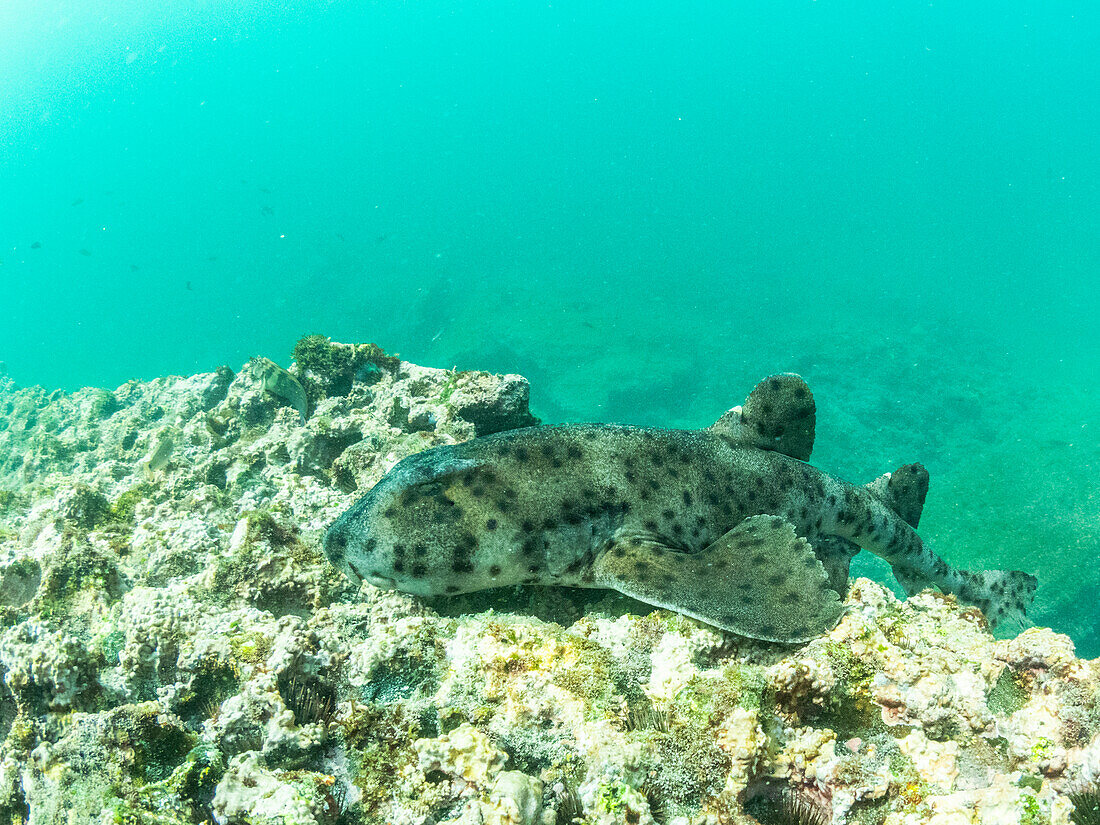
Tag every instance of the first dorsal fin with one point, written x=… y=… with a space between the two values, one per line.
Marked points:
x=903 y=491
x=779 y=415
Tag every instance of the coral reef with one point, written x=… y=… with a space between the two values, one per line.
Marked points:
x=176 y=648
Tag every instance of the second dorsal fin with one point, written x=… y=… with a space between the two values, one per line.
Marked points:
x=903 y=491
x=779 y=415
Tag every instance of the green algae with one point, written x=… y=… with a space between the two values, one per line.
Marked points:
x=742 y=685
x=686 y=766
x=111 y=645
x=1042 y=750
x=20 y=581
x=263 y=526
x=251 y=647
x=318 y=354
x=1008 y=694
x=197 y=778
x=379 y=746
x=1030 y=780
x=588 y=676
x=611 y=797
x=849 y=710
x=178 y=799
x=269 y=570
x=76 y=567
x=10 y=501
x=125 y=505
x=327 y=369
x=158 y=748
x=1031 y=813
x=102 y=404
x=401 y=678
x=86 y=508
x=214 y=682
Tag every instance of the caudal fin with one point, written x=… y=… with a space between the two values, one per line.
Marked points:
x=1003 y=595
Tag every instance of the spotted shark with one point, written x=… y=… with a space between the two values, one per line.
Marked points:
x=726 y=524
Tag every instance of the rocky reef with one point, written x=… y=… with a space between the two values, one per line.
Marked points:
x=176 y=649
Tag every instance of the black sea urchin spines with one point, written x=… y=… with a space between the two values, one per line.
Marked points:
x=787 y=807
x=1086 y=805
x=308 y=699
x=567 y=804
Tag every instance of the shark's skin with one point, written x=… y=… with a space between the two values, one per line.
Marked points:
x=726 y=524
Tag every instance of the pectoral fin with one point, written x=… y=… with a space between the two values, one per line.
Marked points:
x=759 y=580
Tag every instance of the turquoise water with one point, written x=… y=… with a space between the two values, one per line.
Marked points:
x=642 y=212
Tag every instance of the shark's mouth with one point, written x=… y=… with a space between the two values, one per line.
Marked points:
x=381 y=582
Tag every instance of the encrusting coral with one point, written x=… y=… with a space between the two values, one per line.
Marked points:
x=177 y=649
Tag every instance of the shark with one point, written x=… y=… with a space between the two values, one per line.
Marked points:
x=727 y=524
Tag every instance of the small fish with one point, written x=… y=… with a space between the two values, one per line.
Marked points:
x=187 y=286
x=267 y=210
x=163 y=446
x=77 y=202
x=87 y=253
x=36 y=245
x=727 y=524
x=281 y=383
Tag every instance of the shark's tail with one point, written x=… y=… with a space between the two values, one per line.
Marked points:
x=1003 y=595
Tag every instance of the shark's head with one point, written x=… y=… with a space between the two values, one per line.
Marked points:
x=407 y=533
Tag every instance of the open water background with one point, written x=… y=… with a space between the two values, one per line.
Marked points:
x=644 y=208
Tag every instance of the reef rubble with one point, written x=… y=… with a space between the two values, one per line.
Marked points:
x=176 y=649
